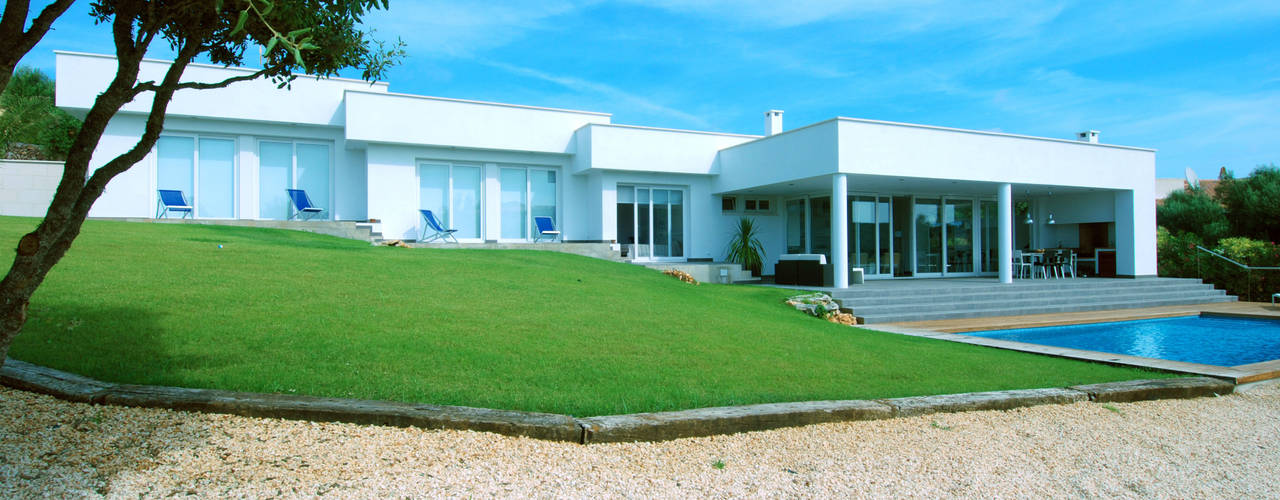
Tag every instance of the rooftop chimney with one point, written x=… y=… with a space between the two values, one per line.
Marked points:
x=772 y=122
x=1089 y=136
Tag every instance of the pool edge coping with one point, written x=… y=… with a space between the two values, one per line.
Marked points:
x=1240 y=374
x=636 y=427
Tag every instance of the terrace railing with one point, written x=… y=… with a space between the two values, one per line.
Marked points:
x=1228 y=282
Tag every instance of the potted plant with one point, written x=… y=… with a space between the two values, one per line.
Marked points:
x=745 y=248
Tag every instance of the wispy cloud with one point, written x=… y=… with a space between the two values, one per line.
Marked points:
x=597 y=89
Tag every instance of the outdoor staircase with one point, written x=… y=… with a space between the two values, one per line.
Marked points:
x=923 y=301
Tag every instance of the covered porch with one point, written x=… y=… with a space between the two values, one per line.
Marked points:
x=895 y=228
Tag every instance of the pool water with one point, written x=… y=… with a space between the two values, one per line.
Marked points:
x=1210 y=340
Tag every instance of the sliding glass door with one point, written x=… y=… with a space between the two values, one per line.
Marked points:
x=651 y=221
x=286 y=165
x=203 y=168
x=870 y=235
x=958 y=222
x=452 y=193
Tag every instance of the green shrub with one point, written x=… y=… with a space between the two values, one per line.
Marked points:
x=1193 y=211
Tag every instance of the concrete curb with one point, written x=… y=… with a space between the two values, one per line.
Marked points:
x=974 y=401
x=1166 y=388
x=659 y=426
x=725 y=420
x=547 y=426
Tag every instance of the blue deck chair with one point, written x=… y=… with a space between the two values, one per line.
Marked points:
x=305 y=209
x=438 y=230
x=546 y=229
x=172 y=200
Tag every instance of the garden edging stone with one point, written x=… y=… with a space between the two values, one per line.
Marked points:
x=699 y=422
x=659 y=426
x=974 y=401
x=1167 y=388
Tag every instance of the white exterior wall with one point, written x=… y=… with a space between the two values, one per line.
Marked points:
x=27 y=186
x=640 y=149
x=900 y=150
x=308 y=101
x=434 y=121
x=796 y=154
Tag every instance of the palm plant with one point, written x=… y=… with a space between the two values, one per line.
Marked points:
x=745 y=248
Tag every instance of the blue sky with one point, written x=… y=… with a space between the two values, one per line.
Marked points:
x=1199 y=81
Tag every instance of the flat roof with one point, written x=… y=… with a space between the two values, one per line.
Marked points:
x=482 y=103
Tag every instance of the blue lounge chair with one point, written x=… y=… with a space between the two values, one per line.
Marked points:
x=546 y=229
x=305 y=210
x=172 y=200
x=438 y=230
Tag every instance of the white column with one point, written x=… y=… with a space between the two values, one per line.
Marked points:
x=492 y=203
x=1004 y=195
x=840 y=231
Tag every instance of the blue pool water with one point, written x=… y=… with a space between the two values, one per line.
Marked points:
x=1210 y=340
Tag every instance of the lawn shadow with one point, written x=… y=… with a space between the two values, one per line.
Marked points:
x=119 y=344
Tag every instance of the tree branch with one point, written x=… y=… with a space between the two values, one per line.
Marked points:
x=14 y=41
x=152 y=87
x=155 y=124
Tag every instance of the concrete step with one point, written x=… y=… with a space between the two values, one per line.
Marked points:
x=998 y=294
x=1021 y=286
x=926 y=314
x=1029 y=302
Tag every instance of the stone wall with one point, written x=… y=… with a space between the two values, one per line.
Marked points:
x=27 y=186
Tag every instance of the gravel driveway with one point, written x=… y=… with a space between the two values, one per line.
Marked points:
x=1209 y=447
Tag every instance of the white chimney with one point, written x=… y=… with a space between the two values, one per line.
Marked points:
x=1089 y=136
x=772 y=122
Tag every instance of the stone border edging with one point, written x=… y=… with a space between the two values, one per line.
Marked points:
x=660 y=426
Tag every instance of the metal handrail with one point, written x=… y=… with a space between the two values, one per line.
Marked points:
x=1248 y=280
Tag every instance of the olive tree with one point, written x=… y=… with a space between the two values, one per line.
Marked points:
x=318 y=37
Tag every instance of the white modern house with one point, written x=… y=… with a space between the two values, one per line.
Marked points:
x=896 y=200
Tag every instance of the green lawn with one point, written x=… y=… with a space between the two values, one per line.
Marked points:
x=291 y=312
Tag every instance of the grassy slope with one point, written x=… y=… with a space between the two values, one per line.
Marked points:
x=284 y=311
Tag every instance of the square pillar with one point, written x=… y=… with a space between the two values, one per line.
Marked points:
x=1135 y=233
x=840 y=231
x=1004 y=204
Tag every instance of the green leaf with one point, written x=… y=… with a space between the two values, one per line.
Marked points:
x=244 y=17
x=298 y=32
x=297 y=57
x=267 y=6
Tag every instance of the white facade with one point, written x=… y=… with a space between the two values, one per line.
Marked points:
x=931 y=195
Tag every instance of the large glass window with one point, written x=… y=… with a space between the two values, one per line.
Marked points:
x=928 y=236
x=175 y=165
x=990 y=243
x=651 y=222
x=313 y=173
x=514 y=187
x=275 y=175
x=292 y=165
x=862 y=232
x=958 y=217
x=542 y=193
x=452 y=194
x=203 y=168
x=465 y=201
x=217 y=179
x=433 y=190
x=795 y=226
x=820 y=225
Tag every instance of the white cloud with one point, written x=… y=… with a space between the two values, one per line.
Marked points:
x=617 y=96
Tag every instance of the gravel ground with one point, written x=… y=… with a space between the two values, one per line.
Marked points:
x=1209 y=447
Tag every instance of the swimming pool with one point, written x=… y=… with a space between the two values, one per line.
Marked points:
x=1210 y=340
